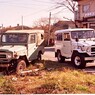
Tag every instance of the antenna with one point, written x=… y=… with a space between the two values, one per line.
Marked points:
x=22 y=22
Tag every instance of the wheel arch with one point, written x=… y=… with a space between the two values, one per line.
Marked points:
x=24 y=57
x=58 y=50
x=75 y=51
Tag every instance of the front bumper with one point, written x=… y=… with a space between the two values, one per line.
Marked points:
x=5 y=62
x=89 y=58
x=4 y=65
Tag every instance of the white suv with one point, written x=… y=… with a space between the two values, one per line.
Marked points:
x=77 y=44
x=18 y=47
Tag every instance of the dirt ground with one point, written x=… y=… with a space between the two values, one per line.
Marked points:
x=50 y=55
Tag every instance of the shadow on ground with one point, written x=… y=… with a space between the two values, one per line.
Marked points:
x=54 y=65
x=49 y=49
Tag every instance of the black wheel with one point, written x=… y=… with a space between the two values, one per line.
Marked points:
x=78 y=60
x=21 y=66
x=39 y=56
x=60 y=58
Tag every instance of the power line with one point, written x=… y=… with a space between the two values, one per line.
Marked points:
x=34 y=13
x=33 y=3
x=8 y=1
x=24 y=6
x=15 y=5
x=43 y=1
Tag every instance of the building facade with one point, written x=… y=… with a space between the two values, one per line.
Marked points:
x=85 y=16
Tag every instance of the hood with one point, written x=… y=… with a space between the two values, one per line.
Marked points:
x=11 y=48
x=87 y=42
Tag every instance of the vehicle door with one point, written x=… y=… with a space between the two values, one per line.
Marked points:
x=32 y=47
x=67 y=45
x=58 y=42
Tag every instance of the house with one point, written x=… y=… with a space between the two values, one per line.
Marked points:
x=63 y=25
x=85 y=16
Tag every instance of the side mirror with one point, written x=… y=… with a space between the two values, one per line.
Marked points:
x=76 y=39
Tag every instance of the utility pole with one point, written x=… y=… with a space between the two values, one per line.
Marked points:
x=2 y=26
x=49 y=28
x=22 y=22
x=1 y=30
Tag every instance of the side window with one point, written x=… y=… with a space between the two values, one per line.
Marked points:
x=66 y=37
x=42 y=36
x=59 y=37
x=32 y=39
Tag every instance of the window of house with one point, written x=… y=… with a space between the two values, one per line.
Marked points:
x=86 y=8
x=66 y=37
x=59 y=37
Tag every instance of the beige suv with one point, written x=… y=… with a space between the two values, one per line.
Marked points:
x=18 y=47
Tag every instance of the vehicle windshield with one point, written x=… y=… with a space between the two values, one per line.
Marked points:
x=83 y=34
x=14 y=38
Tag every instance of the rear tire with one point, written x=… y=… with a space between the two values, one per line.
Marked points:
x=39 y=57
x=60 y=58
x=78 y=60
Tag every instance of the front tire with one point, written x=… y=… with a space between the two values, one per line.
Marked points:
x=78 y=60
x=21 y=66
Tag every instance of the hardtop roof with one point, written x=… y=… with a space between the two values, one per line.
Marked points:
x=69 y=30
x=25 y=31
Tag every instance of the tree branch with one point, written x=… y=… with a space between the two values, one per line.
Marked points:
x=72 y=21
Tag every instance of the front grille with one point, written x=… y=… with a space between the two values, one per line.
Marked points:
x=93 y=49
x=2 y=51
x=93 y=45
x=93 y=53
x=2 y=56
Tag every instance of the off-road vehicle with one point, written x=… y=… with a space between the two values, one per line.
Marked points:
x=18 y=47
x=77 y=44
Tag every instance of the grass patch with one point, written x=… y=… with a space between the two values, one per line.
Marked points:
x=8 y=87
x=82 y=88
x=54 y=78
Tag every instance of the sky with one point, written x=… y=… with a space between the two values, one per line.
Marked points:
x=12 y=11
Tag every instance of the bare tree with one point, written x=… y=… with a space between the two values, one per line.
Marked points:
x=43 y=23
x=71 y=5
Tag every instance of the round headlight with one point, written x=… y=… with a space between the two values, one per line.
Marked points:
x=15 y=55
x=82 y=48
x=9 y=55
x=88 y=49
